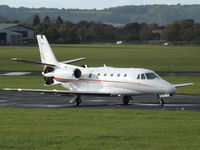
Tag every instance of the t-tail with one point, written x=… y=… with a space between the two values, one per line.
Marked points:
x=46 y=54
x=49 y=62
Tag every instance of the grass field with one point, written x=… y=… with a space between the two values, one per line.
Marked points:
x=36 y=82
x=92 y=129
x=158 y=58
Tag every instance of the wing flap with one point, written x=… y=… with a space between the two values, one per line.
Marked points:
x=59 y=92
x=182 y=85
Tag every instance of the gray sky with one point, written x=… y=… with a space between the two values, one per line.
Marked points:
x=88 y=4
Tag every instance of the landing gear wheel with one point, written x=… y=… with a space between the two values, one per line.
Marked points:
x=161 y=102
x=126 y=100
x=77 y=101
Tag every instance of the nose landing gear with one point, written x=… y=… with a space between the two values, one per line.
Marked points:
x=161 y=102
x=160 y=98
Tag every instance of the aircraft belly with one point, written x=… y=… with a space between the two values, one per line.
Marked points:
x=112 y=87
x=83 y=86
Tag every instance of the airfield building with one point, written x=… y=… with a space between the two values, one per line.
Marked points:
x=14 y=34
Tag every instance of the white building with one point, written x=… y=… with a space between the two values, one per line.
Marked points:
x=13 y=34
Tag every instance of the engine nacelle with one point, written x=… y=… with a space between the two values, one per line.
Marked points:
x=68 y=74
x=77 y=73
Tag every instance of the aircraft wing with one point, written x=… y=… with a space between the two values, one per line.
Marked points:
x=182 y=85
x=60 y=92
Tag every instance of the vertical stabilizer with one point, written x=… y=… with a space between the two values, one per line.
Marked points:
x=46 y=53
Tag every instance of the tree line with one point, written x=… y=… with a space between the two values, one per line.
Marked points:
x=183 y=30
x=59 y=31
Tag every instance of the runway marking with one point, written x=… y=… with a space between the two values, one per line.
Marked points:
x=96 y=100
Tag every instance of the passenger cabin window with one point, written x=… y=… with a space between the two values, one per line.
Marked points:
x=118 y=75
x=111 y=75
x=142 y=76
x=105 y=74
x=98 y=74
x=90 y=75
x=138 y=77
x=151 y=76
x=125 y=75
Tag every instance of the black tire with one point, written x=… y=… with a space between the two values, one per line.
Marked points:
x=161 y=102
x=77 y=101
x=126 y=100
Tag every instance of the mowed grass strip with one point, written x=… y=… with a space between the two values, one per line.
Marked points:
x=155 y=57
x=37 y=82
x=89 y=129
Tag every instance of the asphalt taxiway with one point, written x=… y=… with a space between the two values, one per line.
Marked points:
x=40 y=100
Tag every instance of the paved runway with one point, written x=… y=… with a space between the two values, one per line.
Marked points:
x=38 y=100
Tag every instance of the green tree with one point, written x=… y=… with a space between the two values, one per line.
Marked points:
x=130 y=31
x=82 y=27
x=47 y=20
x=52 y=33
x=42 y=28
x=59 y=21
x=145 y=33
x=197 y=33
x=187 y=30
x=172 y=32
x=36 y=20
x=68 y=33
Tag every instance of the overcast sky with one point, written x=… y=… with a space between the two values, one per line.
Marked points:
x=88 y=4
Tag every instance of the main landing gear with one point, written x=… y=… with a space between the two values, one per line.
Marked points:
x=126 y=99
x=161 y=102
x=76 y=100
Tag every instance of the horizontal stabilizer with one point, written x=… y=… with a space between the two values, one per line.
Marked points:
x=60 y=92
x=31 y=62
x=182 y=85
x=73 y=60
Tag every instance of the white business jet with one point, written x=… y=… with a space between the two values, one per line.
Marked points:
x=98 y=81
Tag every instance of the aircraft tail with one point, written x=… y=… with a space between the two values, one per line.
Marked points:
x=46 y=54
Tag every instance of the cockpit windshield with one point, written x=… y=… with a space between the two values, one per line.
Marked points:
x=151 y=76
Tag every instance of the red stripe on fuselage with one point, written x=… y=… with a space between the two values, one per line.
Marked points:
x=92 y=80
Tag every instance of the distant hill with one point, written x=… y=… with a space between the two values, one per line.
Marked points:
x=160 y=14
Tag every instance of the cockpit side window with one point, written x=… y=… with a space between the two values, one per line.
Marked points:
x=142 y=76
x=151 y=76
x=138 y=77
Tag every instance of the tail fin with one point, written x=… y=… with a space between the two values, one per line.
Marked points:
x=46 y=53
